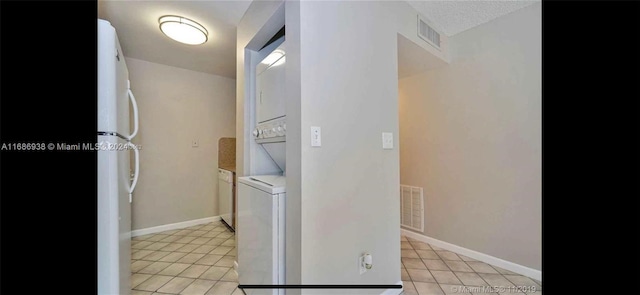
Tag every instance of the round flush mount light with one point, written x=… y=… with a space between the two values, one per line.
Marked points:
x=273 y=57
x=183 y=30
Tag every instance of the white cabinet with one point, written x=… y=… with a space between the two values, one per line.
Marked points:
x=270 y=95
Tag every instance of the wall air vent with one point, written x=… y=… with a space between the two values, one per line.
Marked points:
x=411 y=207
x=427 y=33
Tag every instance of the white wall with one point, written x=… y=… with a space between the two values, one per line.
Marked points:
x=349 y=186
x=342 y=198
x=470 y=135
x=294 y=147
x=178 y=182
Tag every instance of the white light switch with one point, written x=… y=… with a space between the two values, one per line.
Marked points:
x=387 y=140
x=316 y=136
x=195 y=143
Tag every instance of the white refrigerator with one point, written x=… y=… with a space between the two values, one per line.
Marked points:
x=116 y=181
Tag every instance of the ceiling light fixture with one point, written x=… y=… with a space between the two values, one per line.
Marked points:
x=183 y=30
x=273 y=57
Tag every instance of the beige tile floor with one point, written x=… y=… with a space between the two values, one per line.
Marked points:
x=190 y=261
x=199 y=260
x=427 y=269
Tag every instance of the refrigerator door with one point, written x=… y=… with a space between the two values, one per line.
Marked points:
x=114 y=219
x=113 y=83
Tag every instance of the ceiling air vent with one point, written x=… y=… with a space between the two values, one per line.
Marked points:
x=427 y=33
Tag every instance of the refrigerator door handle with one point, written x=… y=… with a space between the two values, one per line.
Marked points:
x=136 y=152
x=134 y=104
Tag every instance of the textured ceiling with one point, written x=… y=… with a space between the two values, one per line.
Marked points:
x=452 y=17
x=136 y=23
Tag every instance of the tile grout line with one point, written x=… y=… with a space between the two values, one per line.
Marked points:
x=454 y=272
x=189 y=243
x=430 y=273
x=434 y=278
x=186 y=253
x=191 y=264
x=478 y=274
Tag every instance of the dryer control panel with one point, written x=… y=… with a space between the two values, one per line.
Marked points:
x=273 y=130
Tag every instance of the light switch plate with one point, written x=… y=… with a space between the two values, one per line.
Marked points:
x=316 y=136
x=195 y=143
x=387 y=140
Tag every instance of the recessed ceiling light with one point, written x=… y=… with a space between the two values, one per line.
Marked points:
x=183 y=30
x=273 y=57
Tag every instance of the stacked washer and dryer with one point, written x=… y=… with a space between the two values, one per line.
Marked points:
x=261 y=198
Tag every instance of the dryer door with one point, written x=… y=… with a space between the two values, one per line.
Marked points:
x=271 y=90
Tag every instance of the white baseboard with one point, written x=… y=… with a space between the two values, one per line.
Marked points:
x=178 y=225
x=393 y=291
x=508 y=265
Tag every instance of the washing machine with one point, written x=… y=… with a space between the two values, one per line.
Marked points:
x=261 y=232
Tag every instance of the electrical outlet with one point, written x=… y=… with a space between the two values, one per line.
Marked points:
x=195 y=143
